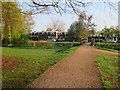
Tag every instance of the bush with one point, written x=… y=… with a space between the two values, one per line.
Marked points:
x=115 y=46
x=21 y=42
x=67 y=44
x=47 y=44
x=39 y=43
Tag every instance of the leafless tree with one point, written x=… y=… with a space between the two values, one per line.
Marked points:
x=62 y=6
x=28 y=22
x=56 y=25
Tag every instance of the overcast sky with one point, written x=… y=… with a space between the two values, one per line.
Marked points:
x=103 y=15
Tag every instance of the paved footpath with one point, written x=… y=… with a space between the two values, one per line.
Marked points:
x=78 y=71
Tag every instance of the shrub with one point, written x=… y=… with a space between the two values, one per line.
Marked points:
x=47 y=44
x=23 y=41
x=39 y=43
x=115 y=46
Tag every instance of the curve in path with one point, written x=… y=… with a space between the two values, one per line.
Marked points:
x=77 y=71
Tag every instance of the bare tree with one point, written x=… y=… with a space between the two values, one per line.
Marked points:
x=62 y=6
x=28 y=22
x=56 y=25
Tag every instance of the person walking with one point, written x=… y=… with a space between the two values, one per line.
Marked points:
x=93 y=42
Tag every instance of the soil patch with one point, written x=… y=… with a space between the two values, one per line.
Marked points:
x=8 y=62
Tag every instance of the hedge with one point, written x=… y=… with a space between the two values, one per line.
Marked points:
x=52 y=44
x=115 y=46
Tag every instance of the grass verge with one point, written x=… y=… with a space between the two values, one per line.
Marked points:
x=109 y=70
x=29 y=63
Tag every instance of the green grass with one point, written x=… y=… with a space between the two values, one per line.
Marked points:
x=109 y=69
x=0 y=50
x=33 y=61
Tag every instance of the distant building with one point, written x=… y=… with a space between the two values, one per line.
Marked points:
x=62 y=36
x=47 y=35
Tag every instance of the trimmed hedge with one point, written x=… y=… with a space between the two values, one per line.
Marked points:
x=39 y=43
x=115 y=46
x=67 y=44
x=53 y=44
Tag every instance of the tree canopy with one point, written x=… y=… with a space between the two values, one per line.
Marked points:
x=79 y=29
x=12 y=23
x=111 y=32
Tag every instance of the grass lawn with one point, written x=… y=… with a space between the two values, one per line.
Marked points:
x=23 y=65
x=109 y=70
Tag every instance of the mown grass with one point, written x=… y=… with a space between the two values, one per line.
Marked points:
x=109 y=70
x=33 y=61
